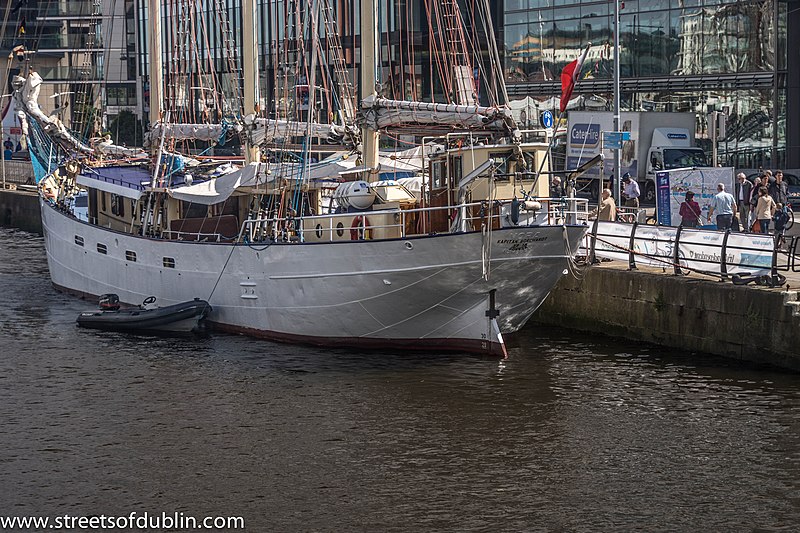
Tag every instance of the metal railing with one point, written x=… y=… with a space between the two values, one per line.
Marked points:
x=193 y=236
x=462 y=217
x=743 y=257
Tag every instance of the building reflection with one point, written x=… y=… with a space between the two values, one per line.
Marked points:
x=685 y=55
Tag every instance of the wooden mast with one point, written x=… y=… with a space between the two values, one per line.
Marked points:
x=156 y=64
x=369 y=137
x=250 y=70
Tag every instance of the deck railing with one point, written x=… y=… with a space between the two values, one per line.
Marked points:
x=462 y=217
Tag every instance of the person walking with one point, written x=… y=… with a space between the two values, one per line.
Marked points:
x=743 y=191
x=765 y=209
x=722 y=204
x=779 y=189
x=630 y=191
x=690 y=211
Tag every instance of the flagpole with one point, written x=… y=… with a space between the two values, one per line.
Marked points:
x=617 y=161
x=576 y=74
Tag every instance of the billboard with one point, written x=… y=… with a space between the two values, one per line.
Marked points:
x=672 y=185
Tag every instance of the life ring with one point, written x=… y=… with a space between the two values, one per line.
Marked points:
x=360 y=223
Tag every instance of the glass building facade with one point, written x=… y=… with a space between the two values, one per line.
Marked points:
x=675 y=55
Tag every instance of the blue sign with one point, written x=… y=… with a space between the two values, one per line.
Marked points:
x=616 y=136
x=547 y=119
x=663 y=199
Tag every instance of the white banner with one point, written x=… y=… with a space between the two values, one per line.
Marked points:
x=745 y=253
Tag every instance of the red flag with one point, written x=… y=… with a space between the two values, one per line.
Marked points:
x=569 y=77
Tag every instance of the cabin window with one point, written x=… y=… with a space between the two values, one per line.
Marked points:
x=191 y=210
x=130 y=256
x=103 y=206
x=339 y=229
x=78 y=240
x=102 y=248
x=455 y=171
x=437 y=176
x=169 y=262
x=117 y=205
x=500 y=165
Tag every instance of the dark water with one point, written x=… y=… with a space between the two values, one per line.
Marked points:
x=569 y=434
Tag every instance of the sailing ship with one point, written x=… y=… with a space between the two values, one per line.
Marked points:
x=458 y=249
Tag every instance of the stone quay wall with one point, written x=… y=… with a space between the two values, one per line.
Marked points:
x=692 y=313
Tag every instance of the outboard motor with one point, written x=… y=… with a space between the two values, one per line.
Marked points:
x=109 y=302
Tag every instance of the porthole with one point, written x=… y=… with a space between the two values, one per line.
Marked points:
x=339 y=229
x=319 y=231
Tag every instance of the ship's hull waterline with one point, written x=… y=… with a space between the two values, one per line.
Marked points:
x=421 y=293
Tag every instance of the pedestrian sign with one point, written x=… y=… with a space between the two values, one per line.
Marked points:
x=612 y=140
x=547 y=119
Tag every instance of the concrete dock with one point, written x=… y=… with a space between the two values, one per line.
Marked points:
x=693 y=312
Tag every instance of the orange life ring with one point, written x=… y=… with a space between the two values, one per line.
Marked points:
x=360 y=223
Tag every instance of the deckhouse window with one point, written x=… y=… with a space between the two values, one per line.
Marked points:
x=78 y=240
x=117 y=205
x=130 y=256
x=102 y=248
x=169 y=262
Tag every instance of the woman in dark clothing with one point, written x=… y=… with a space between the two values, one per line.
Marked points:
x=690 y=211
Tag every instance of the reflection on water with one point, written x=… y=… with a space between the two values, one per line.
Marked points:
x=570 y=433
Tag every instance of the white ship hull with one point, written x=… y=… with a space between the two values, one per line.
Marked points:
x=414 y=293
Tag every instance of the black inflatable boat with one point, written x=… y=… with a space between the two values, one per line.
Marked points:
x=179 y=318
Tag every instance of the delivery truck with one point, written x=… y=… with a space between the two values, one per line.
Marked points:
x=658 y=141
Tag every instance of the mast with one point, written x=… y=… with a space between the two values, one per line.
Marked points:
x=156 y=65
x=250 y=68
x=617 y=155
x=369 y=136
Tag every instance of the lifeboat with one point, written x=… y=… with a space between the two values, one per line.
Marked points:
x=184 y=317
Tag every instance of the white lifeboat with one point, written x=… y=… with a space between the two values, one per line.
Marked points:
x=356 y=194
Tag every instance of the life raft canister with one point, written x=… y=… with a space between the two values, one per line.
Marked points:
x=360 y=224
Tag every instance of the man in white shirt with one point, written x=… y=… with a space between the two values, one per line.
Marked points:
x=630 y=191
x=722 y=204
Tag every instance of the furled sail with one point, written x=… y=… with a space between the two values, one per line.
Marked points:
x=200 y=132
x=263 y=130
x=27 y=94
x=380 y=113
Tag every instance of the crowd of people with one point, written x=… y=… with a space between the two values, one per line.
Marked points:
x=758 y=206
x=753 y=207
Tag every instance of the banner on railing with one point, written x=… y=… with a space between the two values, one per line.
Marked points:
x=703 y=250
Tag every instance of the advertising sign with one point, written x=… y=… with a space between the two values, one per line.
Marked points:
x=584 y=137
x=672 y=186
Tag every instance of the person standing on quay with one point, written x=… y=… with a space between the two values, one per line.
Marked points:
x=765 y=209
x=778 y=189
x=631 y=191
x=607 y=210
x=690 y=211
x=722 y=204
x=743 y=192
